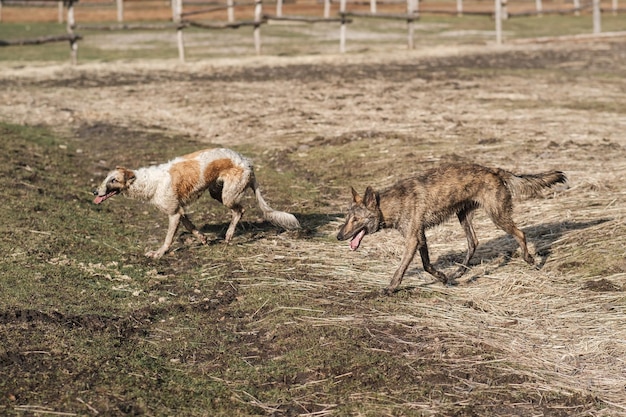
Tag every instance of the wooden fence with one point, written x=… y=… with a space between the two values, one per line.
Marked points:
x=70 y=36
x=182 y=20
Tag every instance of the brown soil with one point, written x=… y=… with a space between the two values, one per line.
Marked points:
x=386 y=116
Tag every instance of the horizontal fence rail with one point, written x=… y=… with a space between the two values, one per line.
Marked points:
x=183 y=19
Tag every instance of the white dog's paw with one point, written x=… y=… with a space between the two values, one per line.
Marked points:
x=202 y=238
x=154 y=254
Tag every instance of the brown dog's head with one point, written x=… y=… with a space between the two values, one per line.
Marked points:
x=116 y=182
x=363 y=217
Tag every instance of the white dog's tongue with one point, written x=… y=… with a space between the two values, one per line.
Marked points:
x=356 y=240
x=99 y=199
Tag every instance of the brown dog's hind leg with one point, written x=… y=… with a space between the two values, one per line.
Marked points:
x=465 y=217
x=521 y=241
x=502 y=219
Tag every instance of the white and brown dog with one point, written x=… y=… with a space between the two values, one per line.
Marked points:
x=174 y=185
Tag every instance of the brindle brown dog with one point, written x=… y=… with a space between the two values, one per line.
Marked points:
x=415 y=204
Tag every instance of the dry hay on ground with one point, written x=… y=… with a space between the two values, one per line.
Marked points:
x=335 y=124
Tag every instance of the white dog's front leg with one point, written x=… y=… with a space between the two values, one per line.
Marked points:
x=169 y=238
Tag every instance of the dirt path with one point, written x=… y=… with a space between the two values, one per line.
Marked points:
x=274 y=102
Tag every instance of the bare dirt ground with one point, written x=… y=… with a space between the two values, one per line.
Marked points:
x=359 y=120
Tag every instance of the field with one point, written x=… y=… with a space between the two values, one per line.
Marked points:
x=294 y=323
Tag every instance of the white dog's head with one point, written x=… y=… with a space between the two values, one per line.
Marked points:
x=117 y=181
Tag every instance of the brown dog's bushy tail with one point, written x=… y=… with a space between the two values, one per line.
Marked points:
x=278 y=218
x=530 y=185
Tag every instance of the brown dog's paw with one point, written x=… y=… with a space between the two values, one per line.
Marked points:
x=389 y=291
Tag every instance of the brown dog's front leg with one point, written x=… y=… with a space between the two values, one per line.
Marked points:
x=407 y=257
x=169 y=238
x=428 y=267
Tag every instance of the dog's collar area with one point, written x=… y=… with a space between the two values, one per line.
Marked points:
x=381 y=221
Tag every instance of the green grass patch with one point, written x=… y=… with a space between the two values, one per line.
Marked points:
x=89 y=323
x=57 y=51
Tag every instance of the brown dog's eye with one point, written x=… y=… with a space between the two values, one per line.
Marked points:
x=113 y=180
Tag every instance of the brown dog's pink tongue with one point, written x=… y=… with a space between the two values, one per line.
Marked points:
x=356 y=240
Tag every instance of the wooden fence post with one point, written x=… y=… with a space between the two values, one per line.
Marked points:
x=181 y=44
x=614 y=7
x=74 y=51
x=258 y=16
x=410 y=10
x=373 y=6
x=539 y=7
x=576 y=7
x=70 y=16
x=70 y=30
x=597 y=27
x=342 y=28
x=459 y=8
x=279 y=8
x=60 y=11
x=498 y=18
x=177 y=9
x=326 y=9
x=120 y=10
x=230 y=9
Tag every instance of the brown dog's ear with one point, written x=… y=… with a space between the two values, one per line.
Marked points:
x=371 y=198
x=355 y=196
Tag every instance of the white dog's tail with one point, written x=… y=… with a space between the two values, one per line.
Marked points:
x=278 y=218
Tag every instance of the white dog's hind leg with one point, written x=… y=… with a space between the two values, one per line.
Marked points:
x=237 y=212
x=169 y=238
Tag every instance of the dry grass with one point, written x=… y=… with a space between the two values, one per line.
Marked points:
x=332 y=122
x=559 y=330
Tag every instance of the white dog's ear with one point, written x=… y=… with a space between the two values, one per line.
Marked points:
x=129 y=175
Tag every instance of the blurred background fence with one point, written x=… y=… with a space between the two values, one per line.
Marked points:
x=176 y=16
